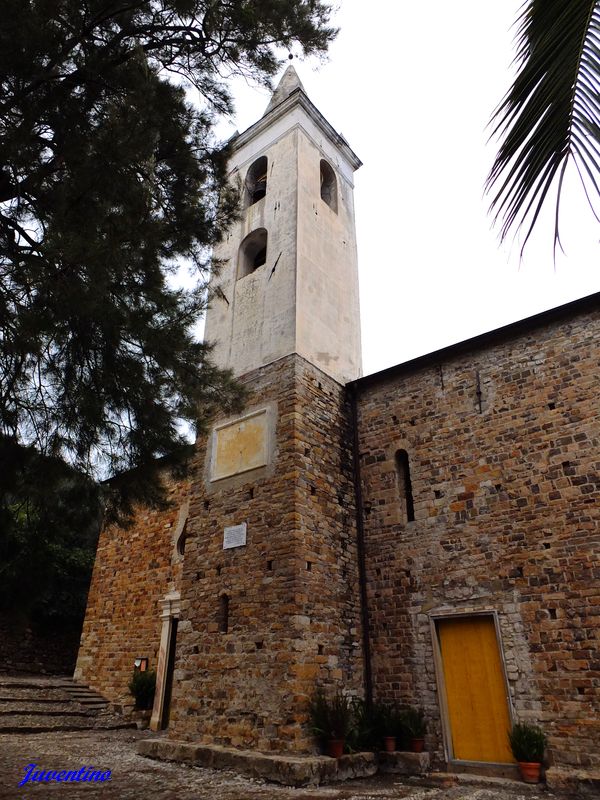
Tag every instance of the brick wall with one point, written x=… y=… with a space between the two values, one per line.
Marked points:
x=293 y=588
x=503 y=444
x=134 y=568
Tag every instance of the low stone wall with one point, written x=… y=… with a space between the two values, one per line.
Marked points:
x=34 y=650
x=287 y=770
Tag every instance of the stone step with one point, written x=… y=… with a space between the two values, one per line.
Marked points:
x=65 y=711
x=31 y=724
x=87 y=698
x=42 y=706
x=46 y=700
x=22 y=683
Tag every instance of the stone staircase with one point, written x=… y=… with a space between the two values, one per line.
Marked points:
x=41 y=704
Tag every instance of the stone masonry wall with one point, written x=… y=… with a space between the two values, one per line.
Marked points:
x=134 y=568
x=30 y=648
x=504 y=455
x=292 y=589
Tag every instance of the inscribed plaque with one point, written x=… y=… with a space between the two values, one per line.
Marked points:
x=234 y=536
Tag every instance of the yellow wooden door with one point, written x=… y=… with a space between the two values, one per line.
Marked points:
x=475 y=689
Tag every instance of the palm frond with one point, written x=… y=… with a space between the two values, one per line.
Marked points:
x=551 y=114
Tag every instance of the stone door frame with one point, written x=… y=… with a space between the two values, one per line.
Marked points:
x=170 y=610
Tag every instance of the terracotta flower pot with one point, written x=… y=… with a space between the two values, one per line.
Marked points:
x=417 y=745
x=530 y=771
x=389 y=743
x=335 y=748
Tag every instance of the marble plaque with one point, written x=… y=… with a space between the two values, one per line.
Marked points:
x=234 y=536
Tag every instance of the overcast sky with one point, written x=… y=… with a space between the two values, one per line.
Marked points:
x=412 y=87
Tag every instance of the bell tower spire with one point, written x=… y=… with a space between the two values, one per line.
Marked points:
x=290 y=279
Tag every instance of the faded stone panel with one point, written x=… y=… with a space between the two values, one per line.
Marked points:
x=505 y=467
x=290 y=627
x=134 y=568
x=240 y=446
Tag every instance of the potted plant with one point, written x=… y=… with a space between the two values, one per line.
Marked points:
x=142 y=687
x=364 y=733
x=390 y=722
x=527 y=743
x=331 y=721
x=416 y=727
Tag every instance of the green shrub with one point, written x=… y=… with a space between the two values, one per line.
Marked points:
x=397 y=726
x=142 y=687
x=527 y=742
x=371 y=725
x=330 y=718
x=366 y=731
x=413 y=721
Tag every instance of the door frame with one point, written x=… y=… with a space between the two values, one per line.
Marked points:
x=452 y=614
x=170 y=610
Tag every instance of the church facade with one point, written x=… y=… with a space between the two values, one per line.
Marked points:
x=426 y=536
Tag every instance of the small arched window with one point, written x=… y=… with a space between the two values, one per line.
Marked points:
x=253 y=252
x=328 y=185
x=405 y=486
x=223 y=613
x=256 y=181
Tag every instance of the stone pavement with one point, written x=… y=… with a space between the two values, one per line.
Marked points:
x=137 y=778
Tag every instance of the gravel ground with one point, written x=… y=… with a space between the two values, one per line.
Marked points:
x=137 y=778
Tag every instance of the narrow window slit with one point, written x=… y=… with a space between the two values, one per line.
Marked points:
x=223 y=613
x=405 y=485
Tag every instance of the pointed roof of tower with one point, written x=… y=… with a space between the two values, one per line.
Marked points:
x=290 y=102
x=289 y=83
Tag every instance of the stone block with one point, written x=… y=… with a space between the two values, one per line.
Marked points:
x=401 y=763
x=580 y=783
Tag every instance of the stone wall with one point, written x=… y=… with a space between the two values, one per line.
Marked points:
x=31 y=648
x=134 y=568
x=503 y=441
x=293 y=618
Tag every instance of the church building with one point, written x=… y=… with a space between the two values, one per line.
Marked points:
x=426 y=536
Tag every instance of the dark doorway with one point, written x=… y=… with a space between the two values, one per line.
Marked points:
x=169 y=676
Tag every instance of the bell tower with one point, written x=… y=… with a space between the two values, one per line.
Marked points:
x=289 y=282
x=270 y=600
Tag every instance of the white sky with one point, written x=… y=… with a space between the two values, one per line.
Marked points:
x=412 y=87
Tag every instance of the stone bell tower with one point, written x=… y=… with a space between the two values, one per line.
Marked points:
x=290 y=279
x=270 y=594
